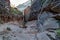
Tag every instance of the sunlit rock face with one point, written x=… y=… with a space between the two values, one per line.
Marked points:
x=23 y=6
x=27 y=13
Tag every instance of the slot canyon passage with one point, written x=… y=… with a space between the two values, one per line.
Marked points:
x=29 y=19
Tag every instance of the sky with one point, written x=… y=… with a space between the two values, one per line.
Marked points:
x=17 y=2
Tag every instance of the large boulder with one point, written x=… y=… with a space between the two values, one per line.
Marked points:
x=45 y=21
x=43 y=36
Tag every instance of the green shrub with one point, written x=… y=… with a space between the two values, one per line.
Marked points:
x=58 y=32
x=15 y=11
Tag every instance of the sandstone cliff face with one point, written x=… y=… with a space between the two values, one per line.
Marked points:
x=5 y=12
x=4 y=8
x=11 y=17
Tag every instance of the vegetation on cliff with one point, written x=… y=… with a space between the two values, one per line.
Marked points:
x=15 y=11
